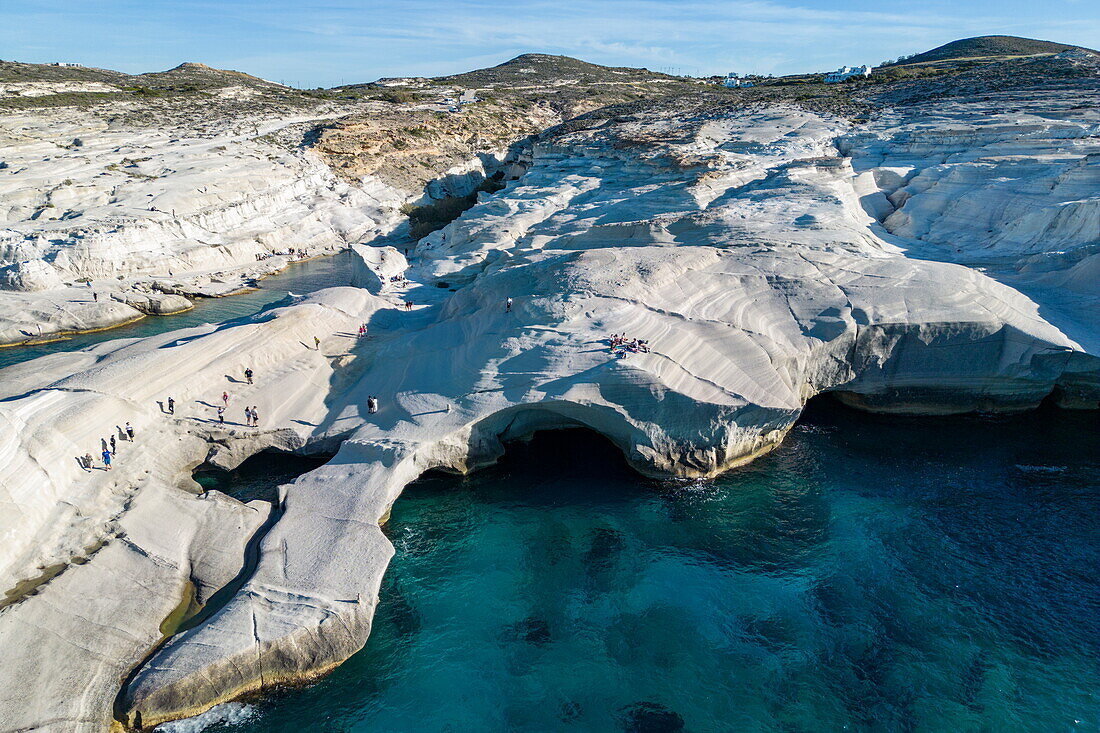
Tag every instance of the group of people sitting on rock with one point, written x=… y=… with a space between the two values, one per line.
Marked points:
x=291 y=252
x=109 y=448
x=621 y=345
x=399 y=280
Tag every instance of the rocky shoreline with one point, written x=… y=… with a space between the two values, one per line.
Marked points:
x=765 y=255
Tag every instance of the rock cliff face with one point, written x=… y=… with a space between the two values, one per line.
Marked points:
x=765 y=254
x=204 y=208
x=410 y=152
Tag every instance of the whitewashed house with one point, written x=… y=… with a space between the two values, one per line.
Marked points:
x=844 y=73
x=733 y=82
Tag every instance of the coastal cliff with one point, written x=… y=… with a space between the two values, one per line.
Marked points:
x=931 y=260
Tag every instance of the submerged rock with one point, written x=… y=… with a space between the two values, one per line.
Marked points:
x=651 y=717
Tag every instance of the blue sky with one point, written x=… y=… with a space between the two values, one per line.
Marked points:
x=325 y=43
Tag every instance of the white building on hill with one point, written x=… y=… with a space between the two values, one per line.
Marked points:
x=847 y=72
x=733 y=82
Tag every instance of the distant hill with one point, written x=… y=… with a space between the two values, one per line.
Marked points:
x=199 y=76
x=16 y=71
x=187 y=75
x=985 y=46
x=539 y=68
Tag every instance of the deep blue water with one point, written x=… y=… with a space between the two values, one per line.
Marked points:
x=301 y=278
x=874 y=573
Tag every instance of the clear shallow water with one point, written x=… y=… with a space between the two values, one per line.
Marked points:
x=305 y=277
x=871 y=574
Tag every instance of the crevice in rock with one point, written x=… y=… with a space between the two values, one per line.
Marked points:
x=259 y=476
x=256 y=478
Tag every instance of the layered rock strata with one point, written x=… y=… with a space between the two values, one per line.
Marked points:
x=764 y=255
x=98 y=222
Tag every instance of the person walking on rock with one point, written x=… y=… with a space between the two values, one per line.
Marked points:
x=255 y=418
x=88 y=461
x=171 y=406
x=248 y=375
x=129 y=432
x=225 y=399
x=106 y=460
x=316 y=343
x=221 y=414
x=112 y=451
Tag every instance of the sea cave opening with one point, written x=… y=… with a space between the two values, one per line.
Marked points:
x=259 y=476
x=872 y=570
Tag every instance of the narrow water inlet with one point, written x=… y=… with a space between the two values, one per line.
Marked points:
x=256 y=479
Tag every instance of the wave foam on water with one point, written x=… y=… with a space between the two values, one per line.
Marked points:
x=230 y=713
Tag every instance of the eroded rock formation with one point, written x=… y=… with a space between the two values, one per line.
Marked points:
x=766 y=254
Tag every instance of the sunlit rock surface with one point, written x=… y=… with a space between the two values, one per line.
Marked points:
x=188 y=209
x=766 y=255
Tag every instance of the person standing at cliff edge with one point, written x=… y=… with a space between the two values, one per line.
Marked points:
x=171 y=406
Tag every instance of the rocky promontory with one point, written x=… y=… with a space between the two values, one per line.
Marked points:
x=680 y=275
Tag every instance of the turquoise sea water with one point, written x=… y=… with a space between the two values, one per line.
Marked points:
x=879 y=574
x=874 y=573
x=302 y=278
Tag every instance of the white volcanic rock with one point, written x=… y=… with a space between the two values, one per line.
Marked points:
x=106 y=607
x=374 y=266
x=110 y=554
x=1006 y=182
x=46 y=88
x=154 y=304
x=29 y=275
x=197 y=205
x=742 y=245
x=754 y=297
